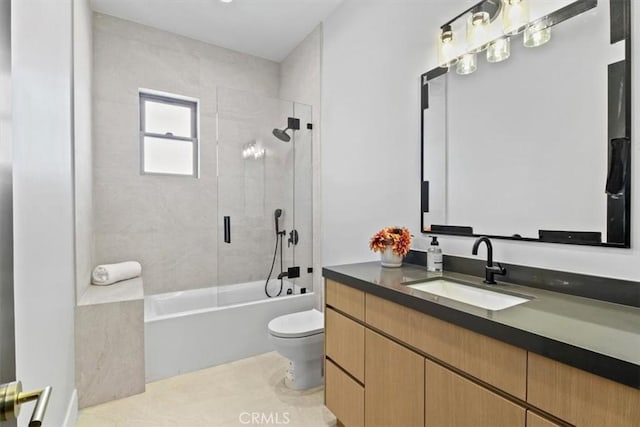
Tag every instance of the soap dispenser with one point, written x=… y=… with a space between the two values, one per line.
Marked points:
x=434 y=256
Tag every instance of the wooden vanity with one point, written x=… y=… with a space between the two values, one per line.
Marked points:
x=389 y=365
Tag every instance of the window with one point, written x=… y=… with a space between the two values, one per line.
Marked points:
x=168 y=135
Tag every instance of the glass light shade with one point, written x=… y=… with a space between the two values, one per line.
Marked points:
x=537 y=34
x=515 y=16
x=446 y=49
x=468 y=64
x=499 y=50
x=477 y=31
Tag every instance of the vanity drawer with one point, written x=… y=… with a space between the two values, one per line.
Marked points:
x=346 y=299
x=345 y=343
x=580 y=398
x=494 y=362
x=344 y=396
x=535 y=420
x=452 y=400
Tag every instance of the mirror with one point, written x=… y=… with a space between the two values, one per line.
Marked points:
x=536 y=147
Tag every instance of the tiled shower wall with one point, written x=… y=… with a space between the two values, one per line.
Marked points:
x=171 y=224
x=167 y=223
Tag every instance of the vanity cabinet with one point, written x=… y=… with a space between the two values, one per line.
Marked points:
x=494 y=362
x=394 y=384
x=344 y=396
x=347 y=300
x=388 y=365
x=345 y=344
x=579 y=397
x=452 y=400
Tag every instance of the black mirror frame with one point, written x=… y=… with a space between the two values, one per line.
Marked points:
x=618 y=209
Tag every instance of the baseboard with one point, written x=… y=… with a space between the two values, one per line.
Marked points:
x=71 y=417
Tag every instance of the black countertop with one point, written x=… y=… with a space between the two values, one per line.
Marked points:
x=599 y=337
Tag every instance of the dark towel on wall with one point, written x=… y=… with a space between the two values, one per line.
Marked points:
x=618 y=166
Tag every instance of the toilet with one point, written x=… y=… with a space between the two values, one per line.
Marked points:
x=300 y=338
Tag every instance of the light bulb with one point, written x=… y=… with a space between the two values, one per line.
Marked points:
x=468 y=64
x=515 y=16
x=537 y=34
x=499 y=50
x=446 y=47
x=477 y=31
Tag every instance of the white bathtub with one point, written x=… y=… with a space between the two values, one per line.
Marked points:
x=191 y=330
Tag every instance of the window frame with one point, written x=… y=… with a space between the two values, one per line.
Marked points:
x=176 y=100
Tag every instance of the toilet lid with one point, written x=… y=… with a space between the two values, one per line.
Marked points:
x=297 y=325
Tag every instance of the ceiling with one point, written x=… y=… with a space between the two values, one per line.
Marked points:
x=269 y=29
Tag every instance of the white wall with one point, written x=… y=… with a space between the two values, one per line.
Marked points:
x=43 y=200
x=374 y=53
x=83 y=160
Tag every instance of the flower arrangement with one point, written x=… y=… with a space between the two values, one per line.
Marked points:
x=399 y=238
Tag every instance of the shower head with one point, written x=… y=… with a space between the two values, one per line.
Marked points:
x=292 y=124
x=282 y=135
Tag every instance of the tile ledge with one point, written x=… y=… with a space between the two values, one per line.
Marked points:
x=127 y=290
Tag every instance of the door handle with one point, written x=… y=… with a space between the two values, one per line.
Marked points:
x=12 y=396
x=227 y=229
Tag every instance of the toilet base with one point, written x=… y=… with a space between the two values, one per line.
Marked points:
x=304 y=374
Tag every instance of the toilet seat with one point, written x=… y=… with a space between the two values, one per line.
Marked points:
x=297 y=325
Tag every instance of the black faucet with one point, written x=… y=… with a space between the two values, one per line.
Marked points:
x=490 y=270
x=283 y=275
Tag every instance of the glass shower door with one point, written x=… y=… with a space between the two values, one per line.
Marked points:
x=257 y=200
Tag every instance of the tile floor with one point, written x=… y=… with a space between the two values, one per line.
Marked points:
x=225 y=395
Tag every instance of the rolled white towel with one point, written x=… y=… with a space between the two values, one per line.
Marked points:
x=108 y=274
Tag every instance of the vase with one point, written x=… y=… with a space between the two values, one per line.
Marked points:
x=388 y=258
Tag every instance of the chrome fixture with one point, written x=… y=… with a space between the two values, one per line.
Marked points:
x=490 y=270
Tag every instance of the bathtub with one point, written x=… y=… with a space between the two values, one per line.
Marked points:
x=191 y=330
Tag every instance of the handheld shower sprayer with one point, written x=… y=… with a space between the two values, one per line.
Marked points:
x=277 y=214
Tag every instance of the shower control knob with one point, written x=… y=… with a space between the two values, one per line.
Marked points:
x=293 y=238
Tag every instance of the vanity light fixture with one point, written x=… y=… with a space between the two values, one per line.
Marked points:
x=499 y=50
x=468 y=64
x=537 y=34
x=446 y=46
x=491 y=24
x=226 y=1
x=515 y=16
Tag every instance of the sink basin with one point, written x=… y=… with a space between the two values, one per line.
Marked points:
x=469 y=295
